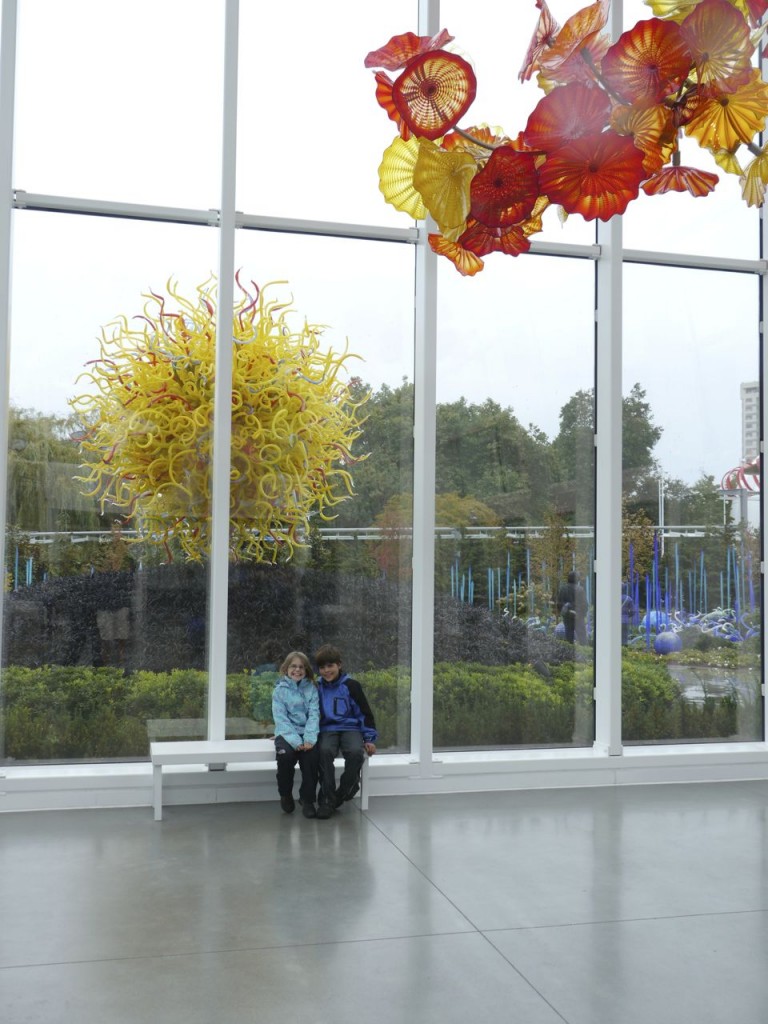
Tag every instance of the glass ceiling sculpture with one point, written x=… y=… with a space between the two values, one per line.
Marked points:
x=608 y=125
x=150 y=420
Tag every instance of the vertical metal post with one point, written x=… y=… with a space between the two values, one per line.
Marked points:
x=218 y=580
x=7 y=101
x=424 y=435
x=763 y=306
x=608 y=441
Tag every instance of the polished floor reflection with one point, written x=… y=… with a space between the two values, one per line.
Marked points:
x=598 y=906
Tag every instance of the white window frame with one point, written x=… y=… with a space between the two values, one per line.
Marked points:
x=606 y=762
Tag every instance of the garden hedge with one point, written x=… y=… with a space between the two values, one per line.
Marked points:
x=56 y=712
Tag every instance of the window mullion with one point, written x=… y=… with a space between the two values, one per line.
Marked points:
x=763 y=307
x=608 y=473
x=7 y=102
x=424 y=435
x=222 y=405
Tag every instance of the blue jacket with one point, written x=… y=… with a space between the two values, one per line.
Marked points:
x=296 y=711
x=344 y=707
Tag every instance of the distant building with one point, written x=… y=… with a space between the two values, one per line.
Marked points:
x=750 y=421
x=742 y=482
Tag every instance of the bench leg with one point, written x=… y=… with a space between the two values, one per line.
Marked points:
x=364 y=786
x=157 y=791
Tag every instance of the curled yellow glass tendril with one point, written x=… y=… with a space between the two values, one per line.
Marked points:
x=149 y=415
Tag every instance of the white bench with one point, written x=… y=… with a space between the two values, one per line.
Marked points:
x=215 y=753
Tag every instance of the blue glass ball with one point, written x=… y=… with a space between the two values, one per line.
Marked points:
x=668 y=643
x=654 y=620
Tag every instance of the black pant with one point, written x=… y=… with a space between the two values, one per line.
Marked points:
x=350 y=745
x=287 y=758
x=575 y=628
x=569 y=621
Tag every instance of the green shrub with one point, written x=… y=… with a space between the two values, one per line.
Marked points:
x=260 y=695
x=480 y=705
x=654 y=707
x=80 y=713
x=180 y=693
x=60 y=712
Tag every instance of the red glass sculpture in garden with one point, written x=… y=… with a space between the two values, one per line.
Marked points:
x=609 y=124
x=745 y=477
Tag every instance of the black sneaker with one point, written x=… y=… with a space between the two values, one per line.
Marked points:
x=308 y=810
x=324 y=811
x=341 y=798
x=287 y=803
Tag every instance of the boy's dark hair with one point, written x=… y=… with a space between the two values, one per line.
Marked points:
x=328 y=655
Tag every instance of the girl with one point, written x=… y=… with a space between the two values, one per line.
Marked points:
x=296 y=714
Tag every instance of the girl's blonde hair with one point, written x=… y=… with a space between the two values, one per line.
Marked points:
x=309 y=674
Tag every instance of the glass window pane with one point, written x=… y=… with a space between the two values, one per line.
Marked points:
x=350 y=584
x=719 y=224
x=104 y=638
x=311 y=134
x=119 y=102
x=692 y=517
x=514 y=505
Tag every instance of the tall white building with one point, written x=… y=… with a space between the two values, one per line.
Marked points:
x=750 y=420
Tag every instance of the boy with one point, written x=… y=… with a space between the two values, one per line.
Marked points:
x=347 y=727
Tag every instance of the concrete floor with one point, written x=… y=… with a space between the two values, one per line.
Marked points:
x=592 y=906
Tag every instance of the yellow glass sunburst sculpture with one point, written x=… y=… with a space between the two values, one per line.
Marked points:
x=150 y=417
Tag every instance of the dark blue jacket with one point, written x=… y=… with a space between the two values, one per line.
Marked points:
x=344 y=707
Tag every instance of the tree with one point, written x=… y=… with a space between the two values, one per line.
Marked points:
x=702 y=505
x=636 y=539
x=386 y=450
x=451 y=510
x=43 y=462
x=640 y=436
x=552 y=554
x=484 y=452
x=575 y=453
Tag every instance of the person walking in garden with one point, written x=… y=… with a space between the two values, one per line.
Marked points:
x=347 y=727
x=627 y=612
x=572 y=605
x=296 y=714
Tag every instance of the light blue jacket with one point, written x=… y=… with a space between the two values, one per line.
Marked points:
x=296 y=711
